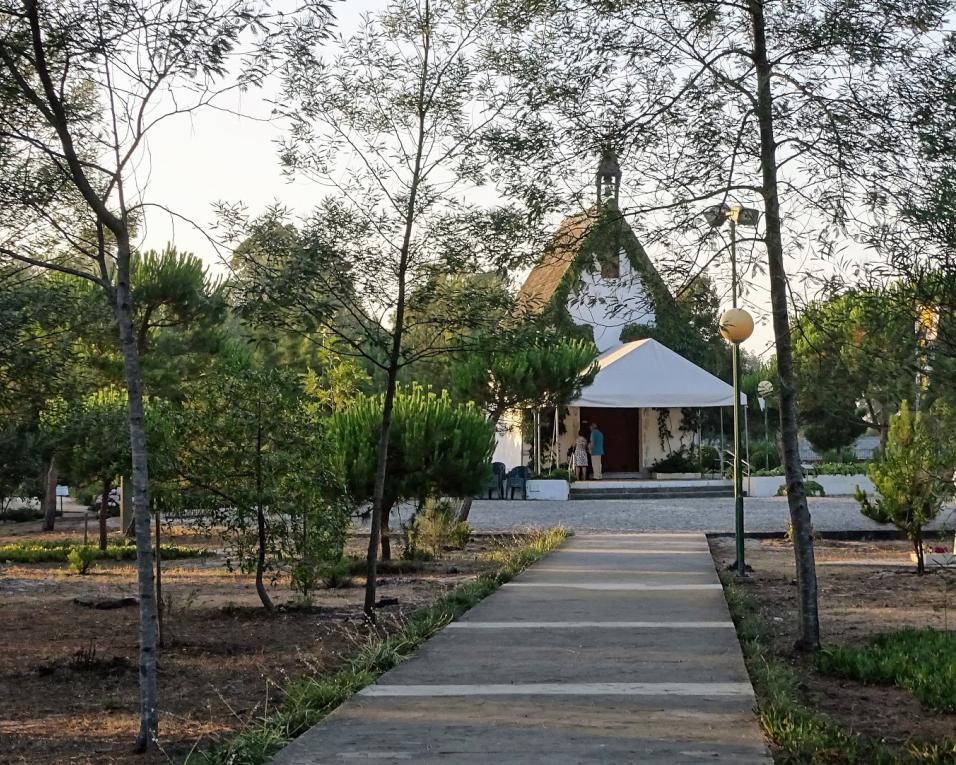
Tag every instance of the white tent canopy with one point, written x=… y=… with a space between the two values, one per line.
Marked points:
x=646 y=374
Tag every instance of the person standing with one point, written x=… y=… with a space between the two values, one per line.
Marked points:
x=596 y=445
x=581 y=456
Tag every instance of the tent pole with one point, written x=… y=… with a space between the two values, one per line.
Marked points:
x=750 y=468
x=721 y=442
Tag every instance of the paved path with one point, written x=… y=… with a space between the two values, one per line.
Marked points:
x=617 y=648
x=710 y=515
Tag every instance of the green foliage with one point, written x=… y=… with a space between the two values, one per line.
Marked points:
x=434 y=529
x=336 y=574
x=91 y=436
x=800 y=734
x=306 y=701
x=436 y=447
x=525 y=371
x=253 y=450
x=842 y=455
x=81 y=558
x=921 y=661
x=824 y=468
x=764 y=453
x=58 y=551
x=680 y=461
x=709 y=458
x=20 y=514
x=914 y=477
x=810 y=488
x=855 y=347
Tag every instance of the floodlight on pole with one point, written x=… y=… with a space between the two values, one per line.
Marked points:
x=736 y=325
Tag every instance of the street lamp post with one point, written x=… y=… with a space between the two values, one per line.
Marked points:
x=736 y=325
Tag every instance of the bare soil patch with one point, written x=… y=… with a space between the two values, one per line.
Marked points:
x=865 y=589
x=69 y=672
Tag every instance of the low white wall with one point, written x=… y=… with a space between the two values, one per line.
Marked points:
x=548 y=489
x=833 y=485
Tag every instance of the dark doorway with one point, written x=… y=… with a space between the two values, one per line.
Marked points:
x=622 y=436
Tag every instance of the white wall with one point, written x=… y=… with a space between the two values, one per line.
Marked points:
x=609 y=305
x=509 y=445
x=651 y=449
x=833 y=485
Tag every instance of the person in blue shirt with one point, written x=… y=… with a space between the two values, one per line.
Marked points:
x=596 y=445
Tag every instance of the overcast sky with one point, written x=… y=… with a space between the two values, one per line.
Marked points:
x=217 y=156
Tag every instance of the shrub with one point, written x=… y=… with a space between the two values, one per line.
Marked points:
x=914 y=478
x=21 y=514
x=81 y=558
x=764 y=455
x=337 y=574
x=435 y=529
x=58 y=551
x=842 y=455
x=811 y=488
x=823 y=468
x=709 y=459
x=680 y=461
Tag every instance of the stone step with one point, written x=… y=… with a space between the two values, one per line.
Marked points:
x=655 y=492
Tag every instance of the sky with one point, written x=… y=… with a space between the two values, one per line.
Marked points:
x=216 y=155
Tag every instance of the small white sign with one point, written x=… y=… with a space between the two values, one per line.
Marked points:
x=63 y=491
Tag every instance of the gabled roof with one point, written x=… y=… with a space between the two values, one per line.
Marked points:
x=603 y=224
x=546 y=276
x=646 y=374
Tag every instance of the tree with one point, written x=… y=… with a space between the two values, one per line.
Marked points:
x=438 y=448
x=83 y=86
x=405 y=106
x=855 y=358
x=804 y=106
x=252 y=454
x=91 y=444
x=531 y=369
x=43 y=316
x=915 y=475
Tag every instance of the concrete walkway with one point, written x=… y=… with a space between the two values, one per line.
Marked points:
x=617 y=648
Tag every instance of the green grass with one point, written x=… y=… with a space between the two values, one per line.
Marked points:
x=58 y=551
x=921 y=661
x=305 y=701
x=798 y=733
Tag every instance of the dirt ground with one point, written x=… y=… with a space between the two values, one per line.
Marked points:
x=865 y=588
x=69 y=672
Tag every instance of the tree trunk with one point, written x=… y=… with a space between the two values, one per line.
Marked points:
x=378 y=496
x=261 y=522
x=918 y=549
x=395 y=352
x=465 y=509
x=809 y=627
x=149 y=717
x=385 y=533
x=159 y=584
x=104 y=514
x=49 y=498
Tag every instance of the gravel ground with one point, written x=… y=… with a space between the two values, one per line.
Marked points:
x=712 y=515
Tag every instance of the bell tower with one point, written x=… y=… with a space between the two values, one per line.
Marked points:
x=608 y=178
